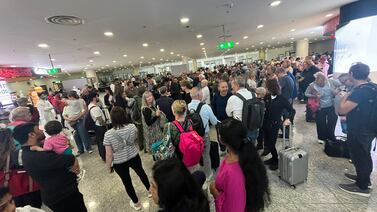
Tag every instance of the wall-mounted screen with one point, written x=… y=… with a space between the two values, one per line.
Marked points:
x=356 y=42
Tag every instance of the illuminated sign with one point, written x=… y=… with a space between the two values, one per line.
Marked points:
x=5 y=97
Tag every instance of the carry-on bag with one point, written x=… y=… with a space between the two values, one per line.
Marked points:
x=293 y=162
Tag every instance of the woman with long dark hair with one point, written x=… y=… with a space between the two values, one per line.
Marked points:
x=174 y=189
x=241 y=183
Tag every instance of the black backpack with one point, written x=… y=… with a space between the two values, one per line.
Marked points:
x=197 y=123
x=135 y=112
x=373 y=101
x=252 y=112
x=89 y=123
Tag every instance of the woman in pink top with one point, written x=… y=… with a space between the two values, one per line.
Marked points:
x=241 y=183
x=57 y=141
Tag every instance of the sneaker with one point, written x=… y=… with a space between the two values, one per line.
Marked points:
x=353 y=178
x=274 y=166
x=354 y=189
x=90 y=151
x=81 y=175
x=136 y=206
x=265 y=152
x=321 y=141
x=269 y=161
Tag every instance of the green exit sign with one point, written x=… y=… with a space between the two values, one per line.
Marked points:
x=226 y=45
x=53 y=71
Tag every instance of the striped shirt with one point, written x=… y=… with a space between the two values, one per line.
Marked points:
x=122 y=142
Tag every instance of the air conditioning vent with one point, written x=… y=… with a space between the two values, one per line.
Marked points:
x=65 y=20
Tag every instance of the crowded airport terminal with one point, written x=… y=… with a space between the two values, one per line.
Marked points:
x=188 y=105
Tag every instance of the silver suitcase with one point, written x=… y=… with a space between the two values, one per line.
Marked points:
x=293 y=162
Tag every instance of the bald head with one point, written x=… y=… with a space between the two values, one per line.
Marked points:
x=223 y=88
x=195 y=93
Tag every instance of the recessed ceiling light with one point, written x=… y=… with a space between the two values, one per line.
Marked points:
x=203 y=48
x=245 y=37
x=161 y=59
x=261 y=43
x=162 y=50
x=278 y=42
x=292 y=38
x=153 y=58
x=275 y=3
x=199 y=36
x=292 y=30
x=184 y=20
x=52 y=59
x=315 y=39
x=114 y=61
x=43 y=45
x=202 y=44
x=90 y=61
x=291 y=41
x=85 y=68
x=237 y=43
x=260 y=26
x=107 y=65
x=124 y=55
x=87 y=65
x=329 y=15
x=96 y=53
x=171 y=52
x=252 y=46
x=247 y=49
x=129 y=61
x=13 y=66
x=141 y=57
x=178 y=55
x=108 y=34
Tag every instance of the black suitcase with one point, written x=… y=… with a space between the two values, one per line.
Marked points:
x=214 y=155
x=337 y=148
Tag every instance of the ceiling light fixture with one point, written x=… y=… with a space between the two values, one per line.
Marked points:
x=141 y=57
x=145 y=44
x=178 y=55
x=252 y=46
x=153 y=58
x=273 y=38
x=90 y=61
x=292 y=38
x=184 y=20
x=108 y=34
x=260 y=26
x=237 y=43
x=274 y=3
x=247 y=49
x=13 y=66
x=292 y=30
x=245 y=37
x=203 y=48
x=107 y=65
x=43 y=45
x=124 y=55
x=96 y=53
x=114 y=61
x=329 y=15
x=52 y=59
x=261 y=43
x=202 y=44
x=171 y=52
x=199 y=36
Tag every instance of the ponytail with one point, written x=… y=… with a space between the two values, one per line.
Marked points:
x=256 y=180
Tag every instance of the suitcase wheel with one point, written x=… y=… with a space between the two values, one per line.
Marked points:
x=293 y=187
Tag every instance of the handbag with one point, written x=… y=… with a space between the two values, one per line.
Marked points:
x=17 y=180
x=163 y=149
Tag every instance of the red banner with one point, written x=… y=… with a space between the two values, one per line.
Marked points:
x=329 y=28
x=7 y=72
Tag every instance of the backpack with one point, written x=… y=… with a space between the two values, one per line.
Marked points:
x=89 y=123
x=373 y=101
x=191 y=144
x=196 y=119
x=135 y=112
x=252 y=112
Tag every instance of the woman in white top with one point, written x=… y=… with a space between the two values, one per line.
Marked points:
x=122 y=153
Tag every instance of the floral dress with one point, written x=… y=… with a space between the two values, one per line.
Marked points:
x=151 y=127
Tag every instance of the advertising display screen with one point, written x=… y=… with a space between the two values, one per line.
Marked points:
x=356 y=42
x=5 y=97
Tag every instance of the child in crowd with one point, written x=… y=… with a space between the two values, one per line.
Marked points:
x=57 y=142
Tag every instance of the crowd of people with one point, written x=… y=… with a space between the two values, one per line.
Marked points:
x=175 y=114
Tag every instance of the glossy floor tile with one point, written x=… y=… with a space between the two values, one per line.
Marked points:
x=105 y=192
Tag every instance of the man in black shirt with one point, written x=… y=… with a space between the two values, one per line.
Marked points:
x=165 y=102
x=55 y=173
x=358 y=106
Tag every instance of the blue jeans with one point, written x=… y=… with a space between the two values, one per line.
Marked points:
x=252 y=135
x=81 y=137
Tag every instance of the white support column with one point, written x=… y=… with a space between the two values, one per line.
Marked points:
x=302 y=48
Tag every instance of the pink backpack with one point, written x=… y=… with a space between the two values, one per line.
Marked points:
x=191 y=144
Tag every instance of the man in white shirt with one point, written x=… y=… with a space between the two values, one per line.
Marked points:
x=205 y=91
x=100 y=125
x=235 y=104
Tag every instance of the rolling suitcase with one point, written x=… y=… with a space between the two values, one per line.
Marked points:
x=293 y=162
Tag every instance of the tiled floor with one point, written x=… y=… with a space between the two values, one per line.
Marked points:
x=104 y=191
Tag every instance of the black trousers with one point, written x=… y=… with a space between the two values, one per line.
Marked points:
x=123 y=170
x=270 y=135
x=74 y=202
x=326 y=122
x=359 y=147
x=33 y=199
x=100 y=134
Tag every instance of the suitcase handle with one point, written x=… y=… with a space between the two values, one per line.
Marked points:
x=290 y=139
